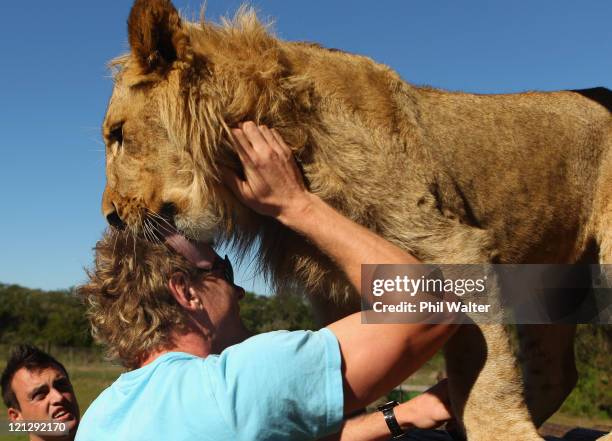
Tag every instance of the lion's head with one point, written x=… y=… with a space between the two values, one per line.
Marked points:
x=167 y=125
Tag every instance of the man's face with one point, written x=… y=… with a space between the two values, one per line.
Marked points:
x=43 y=395
x=220 y=300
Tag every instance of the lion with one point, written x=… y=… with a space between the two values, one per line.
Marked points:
x=451 y=177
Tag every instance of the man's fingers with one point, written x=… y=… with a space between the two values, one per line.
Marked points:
x=250 y=160
x=243 y=147
x=256 y=138
x=272 y=142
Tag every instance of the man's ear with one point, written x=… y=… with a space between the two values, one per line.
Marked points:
x=14 y=414
x=157 y=37
x=179 y=286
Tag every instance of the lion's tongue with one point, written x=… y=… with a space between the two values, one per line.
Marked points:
x=199 y=253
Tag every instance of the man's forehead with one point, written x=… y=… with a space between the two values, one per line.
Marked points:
x=200 y=254
x=27 y=379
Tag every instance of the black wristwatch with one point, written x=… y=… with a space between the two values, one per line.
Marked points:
x=392 y=424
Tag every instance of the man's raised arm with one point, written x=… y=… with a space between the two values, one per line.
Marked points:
x=376 y=357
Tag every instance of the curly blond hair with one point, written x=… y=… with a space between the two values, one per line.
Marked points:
x=129 y=305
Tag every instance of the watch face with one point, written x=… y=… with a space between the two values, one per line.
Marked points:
x=388 y=406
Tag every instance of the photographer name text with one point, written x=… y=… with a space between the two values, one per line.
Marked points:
x=431 y=307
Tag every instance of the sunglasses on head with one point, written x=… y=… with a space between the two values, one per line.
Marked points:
x=223 y=264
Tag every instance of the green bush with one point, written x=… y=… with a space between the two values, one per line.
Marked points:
x=593 y=394
x=58 y=318
x=263 y=314
x=42 y=318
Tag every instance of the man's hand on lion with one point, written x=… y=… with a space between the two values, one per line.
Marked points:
x=431 y=409
x=274 y=184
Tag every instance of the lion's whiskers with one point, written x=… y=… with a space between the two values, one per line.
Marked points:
x=157 y=226
x=164 y=222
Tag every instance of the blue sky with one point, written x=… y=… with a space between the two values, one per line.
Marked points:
x=54 y=87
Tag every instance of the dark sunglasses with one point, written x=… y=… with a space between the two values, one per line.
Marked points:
x=223 y=264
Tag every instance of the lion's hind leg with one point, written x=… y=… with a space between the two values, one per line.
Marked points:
x=546 y=353
x=601 y=223
x=605 y=258
x=603 y=209
x=486 y=387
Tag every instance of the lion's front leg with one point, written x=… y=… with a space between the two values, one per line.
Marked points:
x=486 y=387
x=485 y=383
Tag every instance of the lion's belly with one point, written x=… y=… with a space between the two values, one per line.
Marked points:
x=538 y=217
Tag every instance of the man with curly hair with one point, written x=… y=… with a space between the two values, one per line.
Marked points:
x=169 y=312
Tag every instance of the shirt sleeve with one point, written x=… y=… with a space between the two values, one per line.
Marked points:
x=280 y=385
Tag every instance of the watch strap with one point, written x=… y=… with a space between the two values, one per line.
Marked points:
x=392 y=424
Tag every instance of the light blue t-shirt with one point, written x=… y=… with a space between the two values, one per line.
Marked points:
x=274 y=386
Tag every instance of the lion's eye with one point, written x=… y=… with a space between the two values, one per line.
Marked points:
x=116 y=134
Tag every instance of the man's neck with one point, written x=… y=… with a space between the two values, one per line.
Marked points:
x=191 y=343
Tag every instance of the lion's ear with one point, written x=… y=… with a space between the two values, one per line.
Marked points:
x=157 y=37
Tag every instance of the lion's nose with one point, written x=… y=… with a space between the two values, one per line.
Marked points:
x=115 y=221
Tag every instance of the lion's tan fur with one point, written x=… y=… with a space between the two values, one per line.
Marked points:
x=452 y=177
